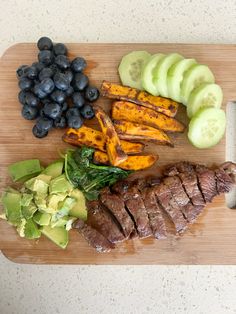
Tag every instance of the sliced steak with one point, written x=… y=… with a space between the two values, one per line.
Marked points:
x=121 y=187
x=135 y=205
x=175 y=185
x=168 y=204
x=207 y=182
x=101 y=220
x=115 y=204
x=93 y=237
x=224 y=182
x=154 y=212
x=230 y=168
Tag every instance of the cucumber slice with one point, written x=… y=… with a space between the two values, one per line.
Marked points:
x=207 y=127
x=195 y=76
x=175 y=77
x=147 y=74
x=205 y=95
x=160 y=72
x=131 y=67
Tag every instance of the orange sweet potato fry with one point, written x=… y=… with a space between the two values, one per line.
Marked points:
x=86 y=136
x=137 y=162
x=115 y=152
x=119 y=92
x=140 y=132
x=123 y=110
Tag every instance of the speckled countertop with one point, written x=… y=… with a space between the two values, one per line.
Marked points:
x=29 y=289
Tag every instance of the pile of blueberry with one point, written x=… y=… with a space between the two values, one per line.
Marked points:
x=54 y=90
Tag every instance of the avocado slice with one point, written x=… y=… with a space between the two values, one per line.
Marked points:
x=58 y=235
x=54 y=169
x=12 y=206
x=61 y=222
x=31 y=230
x=29 y=210
x=23 y=170
x=79 y=210
x=60 y=185
x=42 y=219
x=53 y=201
x=39 y=184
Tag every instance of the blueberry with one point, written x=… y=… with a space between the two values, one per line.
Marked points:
x=62 y=62
x=54 y=68
x=44 y=43
x=64 y=106
x=31 y=100
x=78 y=64
x=72 y=112
x=38 y=91
x=60 y=123
x=45 y=101
x=21 y=97
x=45 y=73
x=29 y=113
x=80 y=82
x=52 y=110
x=25 y=83
x=47 y=85
x=78 y=100
x=58 y=96
x=60 y=49
x=44 y=123
x=87 y=111
x=69 y=75
x=91 y=93
x=75 y=122
x=39 y=66
x=31 y=72
x=46 y=57
x=20 y=72
x=36 y=81
x=61 y=81
x=39 y=133
x=69 y=91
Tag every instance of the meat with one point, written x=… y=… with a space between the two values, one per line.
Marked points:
x=169 y=205
x=115 y=204
x=153 y=206
x=93 y=237
x=207 y=182
x=102 y=221
x=154 y=212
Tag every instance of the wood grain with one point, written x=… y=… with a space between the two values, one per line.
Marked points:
x=209 y=241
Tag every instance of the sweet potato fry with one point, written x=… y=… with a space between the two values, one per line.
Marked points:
x=115 y=152
x=123 y=110
x=86 y=136
x=160 y=104
x=131 y=163
x=140 y=132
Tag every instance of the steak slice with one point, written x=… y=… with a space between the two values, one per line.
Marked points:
x=115 y=204
x=224 y=182
x=101 y=220
x=93 y=237
x=154 y=212
x=207 y=182
x=135 y=205
x=168 y=204
x=175 y=185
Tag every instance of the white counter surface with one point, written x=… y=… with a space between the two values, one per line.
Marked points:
x=29 y=289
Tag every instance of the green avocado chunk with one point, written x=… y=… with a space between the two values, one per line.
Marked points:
x=54 y=169
x=29 y=210
x=12 y=206
x=79 y=209
x=39 y=184
x=58 y=235
x=31 y=230
x=42 y=219
x=60 y=185
x=23 y=170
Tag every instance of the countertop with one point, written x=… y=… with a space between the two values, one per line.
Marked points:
x=28 y=289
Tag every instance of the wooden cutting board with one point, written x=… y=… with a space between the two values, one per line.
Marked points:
x=212 y=240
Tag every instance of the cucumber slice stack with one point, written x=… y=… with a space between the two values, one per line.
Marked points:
x=185 y=81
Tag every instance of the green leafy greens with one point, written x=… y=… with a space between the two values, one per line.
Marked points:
x=87 y=176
